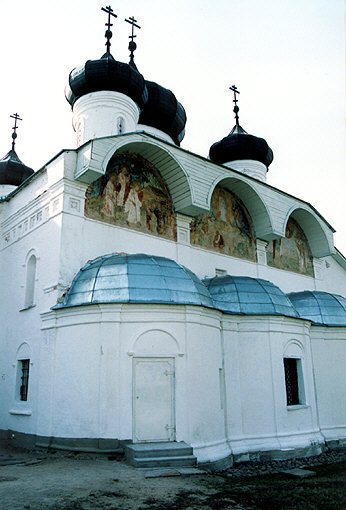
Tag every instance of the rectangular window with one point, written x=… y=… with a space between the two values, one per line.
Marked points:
x=24 y=379
x=294 y=381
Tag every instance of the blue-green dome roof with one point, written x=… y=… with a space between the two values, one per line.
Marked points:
x=123 y=278
x=248 y=296
x=320 y=307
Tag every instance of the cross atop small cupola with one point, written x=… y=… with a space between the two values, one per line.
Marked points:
x=242 y=151
x=16 y=117
x=132 y=44
x=108 y=33
x=235 y=101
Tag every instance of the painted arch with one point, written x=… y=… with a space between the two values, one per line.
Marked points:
x=253 y=203
x=170 y=169
x=291 y=252
x=319 y=235
x=226 y=227
x=132 y=194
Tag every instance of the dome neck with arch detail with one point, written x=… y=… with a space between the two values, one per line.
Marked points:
x=13 y=171
x=241 y=151
x=106 y=96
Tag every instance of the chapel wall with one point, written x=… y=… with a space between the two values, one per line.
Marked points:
x=329 y=352
x=90 y=393
x=258 y=417
x=20 y=314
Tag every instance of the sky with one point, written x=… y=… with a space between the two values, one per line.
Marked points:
x=287 y=58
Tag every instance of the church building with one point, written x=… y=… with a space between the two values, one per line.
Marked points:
x=154 y=296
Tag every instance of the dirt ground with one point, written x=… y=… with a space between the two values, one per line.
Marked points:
x=42 y=480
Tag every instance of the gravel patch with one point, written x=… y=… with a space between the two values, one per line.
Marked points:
x=255 y=468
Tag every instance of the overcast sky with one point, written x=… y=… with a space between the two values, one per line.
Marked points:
x=285 y=56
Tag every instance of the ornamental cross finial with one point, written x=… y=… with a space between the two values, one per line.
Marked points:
x=235 y=101
x=132 y=44
x=108 y=33
x=16 y=117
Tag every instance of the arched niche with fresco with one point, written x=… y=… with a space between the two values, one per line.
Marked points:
x=132 y=194
x=226 y=228
x=291 y=252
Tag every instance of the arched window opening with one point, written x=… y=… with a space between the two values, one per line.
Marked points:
x=23 y=379
x=30 y=282
x=294 y=380
x=23 y=362
x=120 y=125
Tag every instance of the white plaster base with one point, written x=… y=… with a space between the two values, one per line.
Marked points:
x=154 y=131
x=249 y=167
x=103 y=113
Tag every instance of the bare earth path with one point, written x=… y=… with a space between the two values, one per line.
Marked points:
x=65 y=481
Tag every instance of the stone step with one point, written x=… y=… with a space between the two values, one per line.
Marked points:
x=164 y=454
x=154 y=462
x=169 y=449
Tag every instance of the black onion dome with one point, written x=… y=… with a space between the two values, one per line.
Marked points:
x=163 y=111
x=106 y=74
x=12 y=169
x=240 y=145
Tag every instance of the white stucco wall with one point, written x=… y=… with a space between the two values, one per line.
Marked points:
x=258 y=417
x=329 y=354
x=230 y=390
x=88 y=385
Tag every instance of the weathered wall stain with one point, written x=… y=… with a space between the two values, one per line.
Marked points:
x=132 y=194
x=291 y=252
x=226 y=228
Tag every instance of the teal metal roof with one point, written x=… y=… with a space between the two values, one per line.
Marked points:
x=319 y=307
x=248 y=296
x=139 y=278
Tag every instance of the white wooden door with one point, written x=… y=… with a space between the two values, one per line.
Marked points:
x=153 y=399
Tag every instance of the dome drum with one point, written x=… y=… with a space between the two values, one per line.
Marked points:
x=103 y=113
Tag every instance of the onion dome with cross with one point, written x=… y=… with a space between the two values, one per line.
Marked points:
x=241 y=151
x=106 y=95
x=12 y=170
x=162 y=114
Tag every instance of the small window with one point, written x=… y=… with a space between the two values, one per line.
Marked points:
x=120 y=125
x=30 y=282
x=294 y=381
x=23 y=373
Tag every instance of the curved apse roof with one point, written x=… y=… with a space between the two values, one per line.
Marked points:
x=123 y=278
x=320 y=307
x=248 y=296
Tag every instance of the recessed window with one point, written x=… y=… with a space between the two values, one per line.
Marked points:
x=294 y=381
x=23 y=379
x=30 y=282
x=120 y=125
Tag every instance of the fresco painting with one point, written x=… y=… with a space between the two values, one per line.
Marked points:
x=291 y=252
x=226 y=228
x=132 y=194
